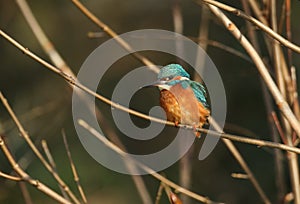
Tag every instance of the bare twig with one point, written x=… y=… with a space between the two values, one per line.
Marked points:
x=259 y=24
x=224 y=47
x=294 y=171
x=199 y=41
x=10 y=177
x=52 y=163
x=69 y=79
x=177 y=17
x=72 y=81
x=145 y=168
x=276 y=52
x=25 y=193
x=76 y=177
x=242 y=162
x=203 y=39
x=262 y=17
x=113 y=34
x=292 y=157
x=159 y=193
x=288 y=28
x=62 y=65
x=173 y=198
x=294 y=94
x=278 y=126
x=280 y=101
x=239 y=176
x=42 y=37
x=35 y=150
x=37 y=184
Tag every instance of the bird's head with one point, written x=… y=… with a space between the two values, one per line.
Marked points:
x=171 y=75
x=171 y=71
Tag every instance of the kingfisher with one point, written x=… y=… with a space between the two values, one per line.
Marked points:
x=184 y=101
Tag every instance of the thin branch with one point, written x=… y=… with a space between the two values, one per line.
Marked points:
x=69 y=79
x=26 y=137
x=114 y=35
x=25 y=193
x=145 y=168
x=292 y=157
x=294 y=93
x=262 y=17
x=10 y=177
x=280 y=101
x=224 y=47
x=278 y=126
x=288 y=29
x=37 y=184
x=159 y=193
x=276 y=52
x=239 y=176
x=52 y=162
x=199 y=41
x=32 y=114
x=73 y=82
x=62 y=65
x=173 y=198
x=256 y=22
x=74 y=170
x=242 y=162
x=177 y=17
x=49 y=155
x=42 y=37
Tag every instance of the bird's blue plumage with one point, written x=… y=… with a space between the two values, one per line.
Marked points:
x=173 y=70
x=199 y=92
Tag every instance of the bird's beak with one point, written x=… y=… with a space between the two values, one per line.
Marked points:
x=156 y=83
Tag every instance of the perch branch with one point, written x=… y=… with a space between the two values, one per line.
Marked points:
x=261 y=143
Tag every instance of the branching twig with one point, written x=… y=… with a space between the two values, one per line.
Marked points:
x=35 y=150
x=280 y=101
x=74 y=171
x=25 y=193
x=242 y=162
x=59 y=62
x=72 y=81
x=10 y=177
x=145 y=168
x=69 y=79
x=37 y=184
x=259 y=24
x=52 y=163
x=159 y=193
x=113 y=34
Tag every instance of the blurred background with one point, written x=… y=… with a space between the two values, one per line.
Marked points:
x=42 y=100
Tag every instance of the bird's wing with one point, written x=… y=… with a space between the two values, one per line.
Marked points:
x=200 y=92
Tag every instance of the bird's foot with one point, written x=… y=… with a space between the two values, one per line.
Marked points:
x=197 y=133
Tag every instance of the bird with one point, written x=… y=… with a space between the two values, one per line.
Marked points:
x=184 y=101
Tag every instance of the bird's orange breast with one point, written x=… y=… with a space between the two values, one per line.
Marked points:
x=181 y=106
